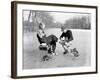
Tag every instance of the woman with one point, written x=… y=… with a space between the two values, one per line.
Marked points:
x=49 y=40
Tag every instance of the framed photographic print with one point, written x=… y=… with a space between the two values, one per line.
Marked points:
x=50 y=39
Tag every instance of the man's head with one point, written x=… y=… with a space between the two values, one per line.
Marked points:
x=63 y=29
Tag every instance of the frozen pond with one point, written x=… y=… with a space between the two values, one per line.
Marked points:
x=32 y=56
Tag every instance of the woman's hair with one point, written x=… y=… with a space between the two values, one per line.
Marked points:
x=41 y=26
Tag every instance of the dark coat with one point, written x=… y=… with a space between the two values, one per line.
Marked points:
x=67 y=34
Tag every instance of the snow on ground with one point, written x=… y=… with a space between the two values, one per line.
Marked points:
x=32 y=56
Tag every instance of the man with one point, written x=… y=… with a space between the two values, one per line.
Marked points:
x=66 y=39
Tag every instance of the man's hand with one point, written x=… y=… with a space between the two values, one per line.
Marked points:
x=62 y=39
x=62 y=42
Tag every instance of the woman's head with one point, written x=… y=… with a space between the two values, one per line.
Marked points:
x=41 y=26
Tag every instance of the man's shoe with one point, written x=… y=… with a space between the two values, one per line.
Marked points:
x=66 y=52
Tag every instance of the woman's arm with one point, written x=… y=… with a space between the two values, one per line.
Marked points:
x=41 y=33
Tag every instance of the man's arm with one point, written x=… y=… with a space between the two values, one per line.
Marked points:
x=71 y=36
x=61 y=36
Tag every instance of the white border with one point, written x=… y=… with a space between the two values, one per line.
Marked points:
x=31 y=72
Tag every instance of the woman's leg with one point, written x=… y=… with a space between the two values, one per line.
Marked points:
x=53 y=47
x=51 y=40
